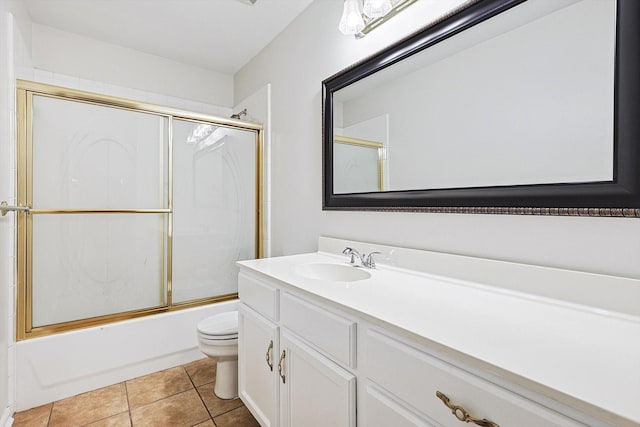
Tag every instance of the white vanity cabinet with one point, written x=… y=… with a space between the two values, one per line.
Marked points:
x=291 y=361
x=400 y=343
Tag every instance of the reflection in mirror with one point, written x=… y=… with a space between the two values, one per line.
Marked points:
x=358 y=165
x=526 y=97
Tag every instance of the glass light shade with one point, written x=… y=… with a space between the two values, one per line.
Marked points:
x=351 y=21
x=376 y=8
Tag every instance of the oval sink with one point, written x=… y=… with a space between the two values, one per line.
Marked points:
x=332 y=272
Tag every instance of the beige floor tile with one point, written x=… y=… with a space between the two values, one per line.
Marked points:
x=208 y=423
x=215 y=405
x=34 y=417
x=89 y=407
x=181 y=410
x=240 y=417
x=201 y=371
x=147 y=389
x=120 y=420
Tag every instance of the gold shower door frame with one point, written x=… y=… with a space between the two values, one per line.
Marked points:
x=25 y=90
x=378 y=146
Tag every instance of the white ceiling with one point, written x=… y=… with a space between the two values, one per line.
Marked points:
x=220 y=35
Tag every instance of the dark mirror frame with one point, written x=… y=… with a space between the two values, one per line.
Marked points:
x=619 y=197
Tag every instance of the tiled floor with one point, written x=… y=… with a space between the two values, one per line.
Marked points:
x=178 y=397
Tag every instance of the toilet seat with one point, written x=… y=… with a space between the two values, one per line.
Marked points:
x=223 y=326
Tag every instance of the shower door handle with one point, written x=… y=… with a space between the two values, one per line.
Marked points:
x=5 y=207
x=268 y=356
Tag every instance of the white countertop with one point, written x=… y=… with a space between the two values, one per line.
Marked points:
x=589 y=354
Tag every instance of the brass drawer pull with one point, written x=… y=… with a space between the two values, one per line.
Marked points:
x=268 y=356
x=462 y=413
x=282 y=356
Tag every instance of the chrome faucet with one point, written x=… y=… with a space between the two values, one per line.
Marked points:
x=365 y=261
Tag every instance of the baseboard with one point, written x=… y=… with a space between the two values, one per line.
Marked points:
x=7 y=417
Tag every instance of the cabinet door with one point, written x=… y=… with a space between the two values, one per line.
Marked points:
x=314 y=391
x=258 y=351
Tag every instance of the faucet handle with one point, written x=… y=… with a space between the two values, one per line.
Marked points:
x=354 y=255
x=370 y=263
x=352 y=252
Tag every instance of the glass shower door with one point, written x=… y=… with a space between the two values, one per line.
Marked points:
x=99 y=210
x=133 y=208
x=214 y=208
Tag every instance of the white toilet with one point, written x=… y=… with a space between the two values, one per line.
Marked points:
x=218 y=338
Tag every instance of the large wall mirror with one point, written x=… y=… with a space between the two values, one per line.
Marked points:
x=508 y=106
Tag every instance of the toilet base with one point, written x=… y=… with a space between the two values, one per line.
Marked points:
x=226 y=379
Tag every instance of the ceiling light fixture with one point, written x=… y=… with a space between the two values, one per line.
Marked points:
x=359 y=21
x=376 y=8
x=351 y=21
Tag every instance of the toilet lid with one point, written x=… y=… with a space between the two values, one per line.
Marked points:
x=221 y=325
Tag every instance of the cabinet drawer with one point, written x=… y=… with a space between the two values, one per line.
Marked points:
x=258 y=295
x=414 y=377
x=381 y=410
x=329 y=332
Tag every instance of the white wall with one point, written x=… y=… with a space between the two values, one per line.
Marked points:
x=258 y=105
x=66 y=53
x=310 y=50
x=15 y=40
x=7 y=223
x=21 y=33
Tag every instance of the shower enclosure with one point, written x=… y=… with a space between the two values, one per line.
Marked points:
x=134 y=209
